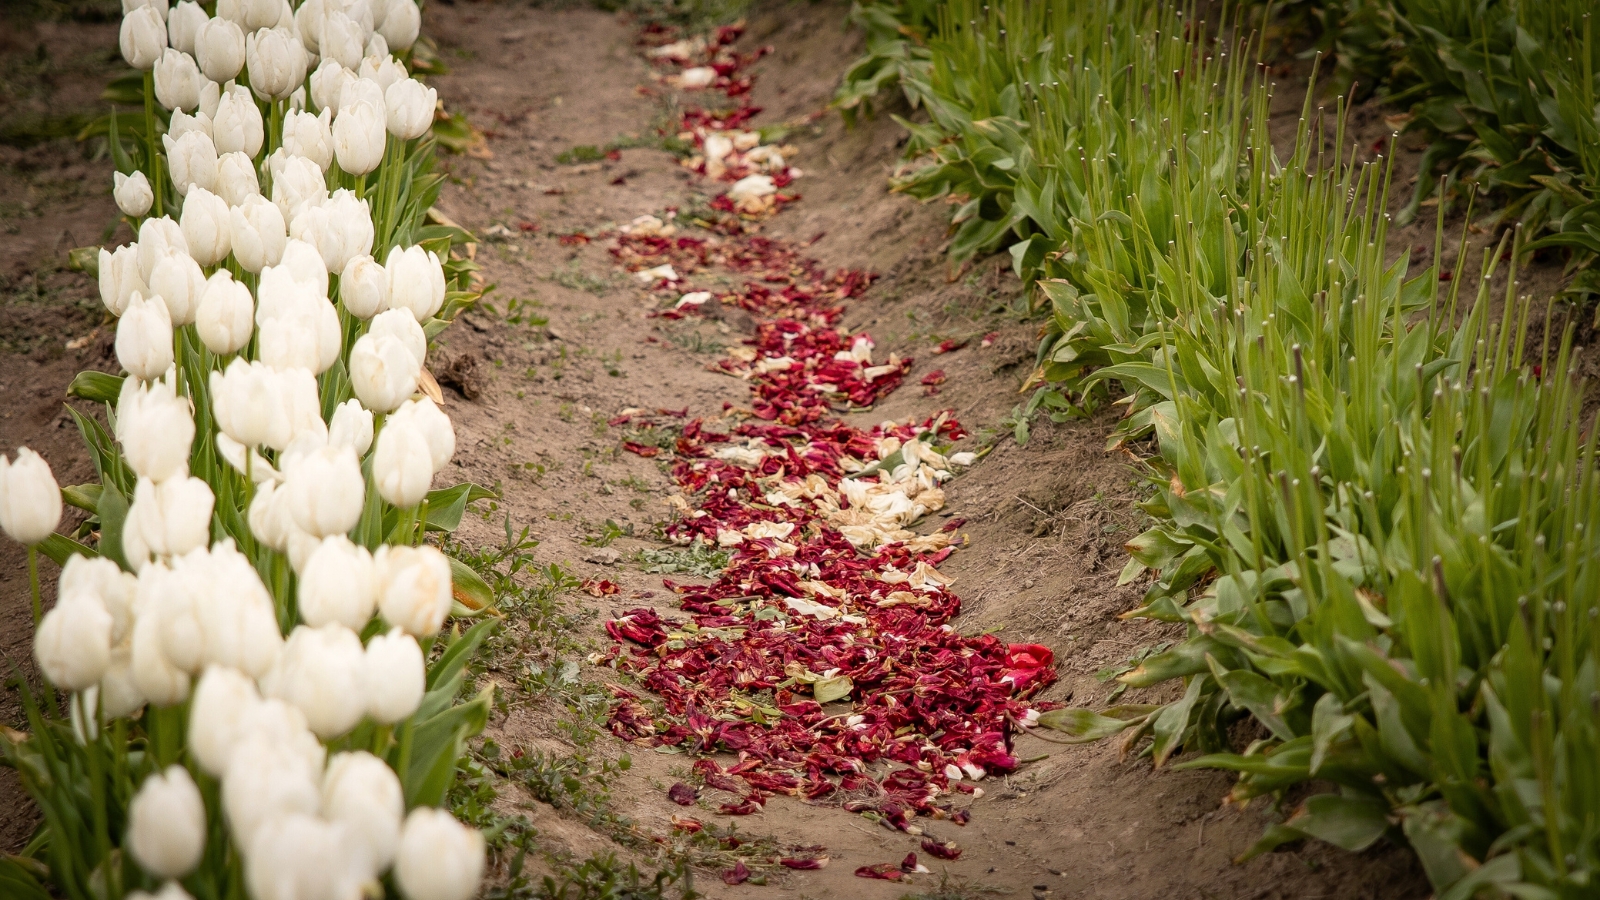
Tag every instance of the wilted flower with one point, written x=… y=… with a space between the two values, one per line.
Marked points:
x=310 y=136
x=226 y=314
x=193 y=160
x=178 y=282
x=320 y=673
x=219 y=48
x=144 y=338
x=300 y=857
x=167 y=824
x=433 y=425
x=155 y=429
x=158 y=238
x=401 y=25
x=413 y=588
x=362 y=792
x=327 y=84
x=219 y=716
x=410 y=108
x=383 y=372
x=204 y=223
x=276 y=61
x=237 y=125
x=296 y=182
x=338 y=584
x=158 y=680
x=120 y=278
x=358 y=137
x=416 y=281
x=178 y=80
x=73 y=645
x=183 y=23
x=236 y=178
x=363 y=287
x=439 y=858
x=132 y=193
x=351 y=427
x=257 y=233
x=142 y=38
x=325 y=490
x=396 y=676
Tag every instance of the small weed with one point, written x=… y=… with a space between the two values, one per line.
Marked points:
x=607 y=533
x=698 y=559
x=583 y=153
x=574 y=278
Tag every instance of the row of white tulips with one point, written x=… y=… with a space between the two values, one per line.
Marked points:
x=239 y=323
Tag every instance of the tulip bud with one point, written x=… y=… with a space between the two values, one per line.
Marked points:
x=132 y=193
x=327 y=85
x=410 y=108
x=144 y=338
x=326 y=490
x=339 y=584
x=363 y=287
x=178 y=80
x=295 y=184
x=104 y=580
x=269 y=517
x=276 y=61
x=119 y=693
x=224 y=701
x=433 y=425
x=301 y=856
x=213 y=608
x=358 y=138
x=360 y=791
x=169 y=891
x=204 y=223
x=377 y=47
x=169 y=518
x=226 y=315
x=120 y=279
x=396 y=676
x=253 y=14
x=359 y=90
x=142 y=38
x=384 y=71
x=30 y=501
x=158 y=238
x=193 y=160
x=306 y=336
x=237 y=179
x=156 y=677
x=398 y=323
x=310 y=136
x=401 y=25
x=266 y=782
x=210 y=96
x=413 y=588
x=183 y=23
x=438 y=858
x=340 y=39
x=383 y=372
x=351 y=427
x=167 y=824
x=182 y=123
x=303 y=263
x=155 y=429
x=73 y=645
x=416 y=281
x=257 y=233
x=320 y=673
x=249 y=405
x=219 y=47
x=237 y=125
x=178 y=282
x=160 y=6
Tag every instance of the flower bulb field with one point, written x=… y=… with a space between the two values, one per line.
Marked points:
x=678 y=448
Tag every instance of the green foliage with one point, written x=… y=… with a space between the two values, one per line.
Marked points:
x=699 y=559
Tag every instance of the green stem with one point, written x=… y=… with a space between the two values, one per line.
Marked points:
x=404 y=762
x=157 y=185
x=97 y=787
x=33 y=583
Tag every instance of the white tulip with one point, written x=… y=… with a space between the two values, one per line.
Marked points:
x=340 y=228
x=178 y=282
x=158 y=238
x=167 y=824
x=257 y=233
x=400 y=324
x=269 y=517
x=193 y=160
x=340 y=39
x=265 y=781
x=144 y=338
x=104 y=580
x=142 y=37
x=310 y=136
x=396 y=676
x=225 y=699
x=308 y=24
x=327 y=85
x=219 y=47
x=251 y=14
x=377 y=47
x=73 y=645
x=301 y=857
x=339 y=584
x=155 y=429
x=306 y=336
x=326 y=491
x=257 y=469
x=320 y=673
x=434 y=426
x=132 y=193
x=119 y=693
x=210 y=96
x=276 y=61
x=178 y=80
x=413 y=588
x=358 y=90
x=362 y=792
x=158 y=680
x=363 y=287
x=183 y=23
x=384 y=71
x=416 y=281
x=182 y=123
x=247 y=399
x=237 y=180
x=237 y=125
x=169 y=891
x=169 y=518
x=351 y=427
x=296 y=183
x=226 y=314
x=402 y=25
x=160 y=6
x=120 y=278
x=283 y=725
x=204 y=223
x=383 y=372
x=303 y=263
x=213 y=609
x=438 y=858
x=358 y=137
x=409 y=106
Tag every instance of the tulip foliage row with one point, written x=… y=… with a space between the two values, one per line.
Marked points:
x=254 y=694
x=1373 y=510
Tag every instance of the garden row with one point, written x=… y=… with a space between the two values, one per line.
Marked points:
x=1372 y=505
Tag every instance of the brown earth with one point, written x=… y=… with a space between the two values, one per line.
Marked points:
x=1046 y=521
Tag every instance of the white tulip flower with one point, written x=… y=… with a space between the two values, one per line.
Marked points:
x=283 y=725
x=340 y=39
x=169 y=891
x=182 y=123
x=265 y=781
x=178 y=282
x=105 y=581
x=142 y=37
x=257 y=233
x=383 y=372
x=351 y=427
x=340 y=228
x=396 y=676
x=409 y=105
x=236 y=178
x=362 y=792
x=169 y=518
x=155 y=428
x=358 y=137
x=384 y=71
x=210 y=96
x=320 y=673
x=310 y=135
x=363 y=287
x=132 y=193
x=413 y=588
x=120 y=278
x=119 y=692
x=158 y=238
x=183 y=23
x=276 y=61
x=251 y=14
x=301 y=857
x=167 y=824
x=416 y=281
x=326 y=491
x=327 y=85
x=248 y=401
x=308 y=24
x=402 y=25
x=303 y=263
x=30 y=500
x=73 y=644
x=225 y=699
x=438 y=435
x=226 y=315
x=213 y=609
x=178 y=80
x=157 y=679
x=160 y=7
x=204 y=222
x=144 y=338
x=359 y=90
x=192 y=159
x=377 y=47
x=219 y=48
x=438 y=858
x=237 y=125
x=269 y=517
x=339 y=584
x=305 y=336
x=295 y=183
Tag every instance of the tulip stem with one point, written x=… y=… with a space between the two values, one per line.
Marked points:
x=33 y=582
x=404 y=763
x=156 y=184
x=422 y=523
x=97 y=787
